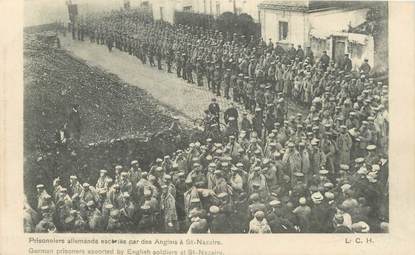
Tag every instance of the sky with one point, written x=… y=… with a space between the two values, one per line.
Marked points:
x=38 y=12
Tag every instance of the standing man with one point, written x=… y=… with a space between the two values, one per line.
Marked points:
x=74 y=123
x=214 y=109
x=168 y=208
x=324 y=60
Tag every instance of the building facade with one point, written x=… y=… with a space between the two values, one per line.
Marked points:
x=320 y=25
x=164 y=9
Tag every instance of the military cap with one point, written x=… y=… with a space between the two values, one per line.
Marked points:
x=90 y=203
x=180 y=174
x=73 y=177
x=85 y=185
x=290 y=145
x=214 y=209
x=259 y=214
x=371 y=147
x=40 y=186
x=317 y=197
x=239 y=164
x=329 y=195
x=118 y=167
x=167 y=177
x=44 y=208
x=115 y=213
x=298 y=174
x=159 y=160
x=359 y=160
x=375 y=167
x=109 y=206
x=217 y=171
x=362 y=171
x=274 y=203
x=345 y=187
x=225 y=164
x=328 y=185
x=145 y=207
x=344 y=167
x=147 y=192
x=144 y=174
x=213 y=164
x=323 y=172
x=302 y=201
x=125 y=173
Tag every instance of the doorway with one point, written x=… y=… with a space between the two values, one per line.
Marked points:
x=339 y=49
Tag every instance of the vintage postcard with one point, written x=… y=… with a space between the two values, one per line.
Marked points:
x=207 y=127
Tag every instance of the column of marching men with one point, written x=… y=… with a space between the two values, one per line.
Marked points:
x=323 y=171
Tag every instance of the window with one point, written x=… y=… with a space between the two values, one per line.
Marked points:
x=187 y=8
x=282 y=30
x=161 y=13
x=217 y=9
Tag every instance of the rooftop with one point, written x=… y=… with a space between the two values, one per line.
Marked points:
x=311 y=5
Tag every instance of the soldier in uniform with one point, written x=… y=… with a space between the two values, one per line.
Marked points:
x=199 y=72
x=169 y=58
x=188 y=70
x=259 y=224
x=218 y=221
x=209 y=74
x=146 y=223
x=114 y=225
x=216 y=80
x=94 y=217
x=159 y=56
x=168 y=209
x=179 y=65
x=227 y=83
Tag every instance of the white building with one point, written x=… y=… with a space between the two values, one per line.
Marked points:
x=321 y=25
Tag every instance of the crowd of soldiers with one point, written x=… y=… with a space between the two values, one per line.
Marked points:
x=322 y=172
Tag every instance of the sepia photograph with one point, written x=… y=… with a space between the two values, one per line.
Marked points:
x=206 y=116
